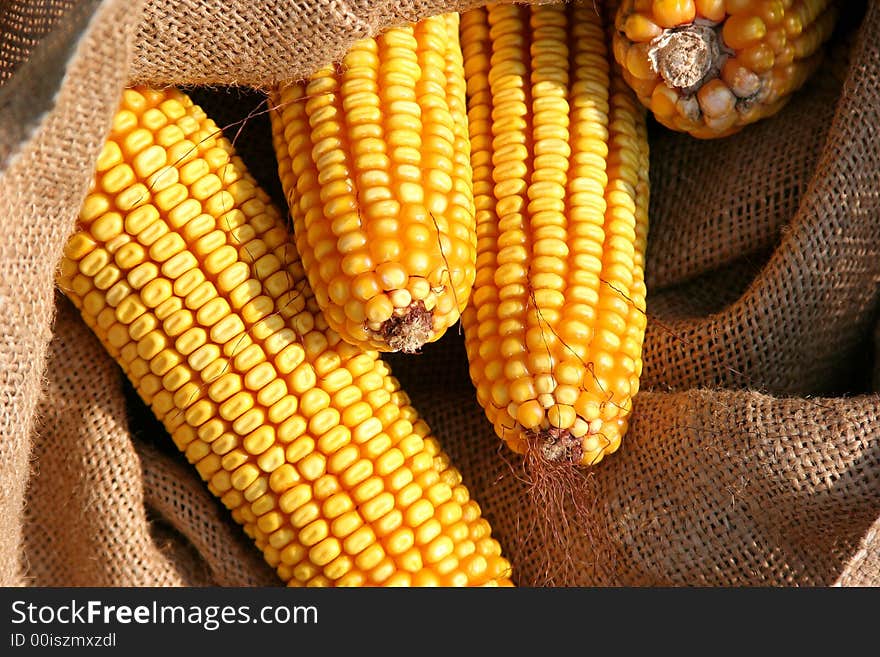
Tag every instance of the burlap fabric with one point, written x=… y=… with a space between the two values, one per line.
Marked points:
x=754 y=452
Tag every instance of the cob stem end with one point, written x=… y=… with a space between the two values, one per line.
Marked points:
x=557 y=445
x=687 y=57
x=408 y=331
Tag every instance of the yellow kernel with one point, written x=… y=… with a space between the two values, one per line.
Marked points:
x=224 y=443
x=282 y=408
x=379 y=308
x=259 y=440
x=212 y=311
x=187 y=394
x=377 y=507
x=151 y=344
x=337 y=504
x=178 y=265
x=340 y=570
x=293 y=554
x=438 y=549
x=324 y=420
x=232 y=499
x=167 y=246
x=335 y=437
x=206 y=186
x=312 y=466
x=305 y=514
x=561 y=415
x=164 y=361
x=257 y=488
x=364 y=539
x=281 y=538
x=236 y=405
x=247 y=355
x=289 y=358
x=151 y=234
x=129 y=310
x=743 y=30
x=156 y=291
x=259 y=376
x=224 y=387
x=294 y=498
x=227 y=328
x=312 y=401
x=366 y=430
x=111 y=154
x=670 y=13
x=193 y=170
x=302 y=379
x=153 y=119
x=94 y=262
x=149 y=161
x=711 y=9
x=188 y=283
x=106 y=227
x=244 y=476
x=117 y=178
x=283 y=477
x=419 y=512
x=117 y=336
x=270 y=522
x=289 y=430
x=391 y=276
x=325 y=551
x=640 y=28
x=530 y=414
x=235 y=458
x=78 y=246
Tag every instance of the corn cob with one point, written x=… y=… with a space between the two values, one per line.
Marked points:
x=185 y=271
x=380 y=187
x=560 y=156
x=710 y=67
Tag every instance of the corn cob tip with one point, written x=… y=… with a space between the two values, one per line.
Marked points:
x=556 y=445
x=410 y=330
x=687 y=57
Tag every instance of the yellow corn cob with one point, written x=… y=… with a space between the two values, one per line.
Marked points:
x=185 y=271
x=380 y=187
x=710 y=67
x=560 y=156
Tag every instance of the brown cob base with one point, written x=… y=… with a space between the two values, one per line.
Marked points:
x=410 y=330
x=687 y=57
x=556 y=445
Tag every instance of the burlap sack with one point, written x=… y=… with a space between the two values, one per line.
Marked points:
x=753 y=456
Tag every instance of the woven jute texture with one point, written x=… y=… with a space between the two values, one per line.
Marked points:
x=753 y=456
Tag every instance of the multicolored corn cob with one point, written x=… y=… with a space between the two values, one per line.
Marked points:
x=710 y=67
